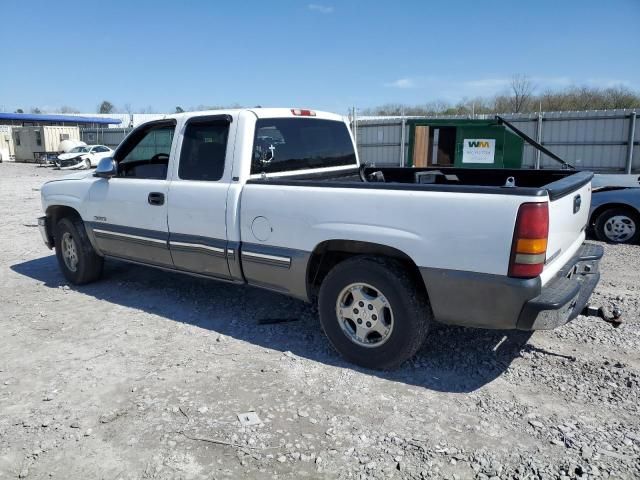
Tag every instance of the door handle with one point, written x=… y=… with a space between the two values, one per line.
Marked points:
x=156 y=198
x=577 y=201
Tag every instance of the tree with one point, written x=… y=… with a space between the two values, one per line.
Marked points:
x=521 y=99
x=19 y=110
x=36 y=110
x=522 y=89
x=179 y=109
x=106 y=107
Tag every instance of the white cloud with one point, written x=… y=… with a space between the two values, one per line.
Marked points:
x=402 y=83
x=326 y=9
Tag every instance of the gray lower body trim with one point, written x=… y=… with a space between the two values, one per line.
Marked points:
x=176 y=270
x=233 y=261
x=481 y=300
x=148 y=246
x=204 y=255
x=276 y=268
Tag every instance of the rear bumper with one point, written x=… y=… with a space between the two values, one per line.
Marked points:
x=563 y=298
x=480 y=300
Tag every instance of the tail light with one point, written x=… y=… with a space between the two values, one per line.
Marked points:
x=303 y=113
x=529 y=248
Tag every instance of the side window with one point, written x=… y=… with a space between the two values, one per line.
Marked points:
x=203 y=150
x=288 y=144
x=146 y=153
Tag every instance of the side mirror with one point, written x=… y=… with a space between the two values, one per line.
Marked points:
x=106 y=168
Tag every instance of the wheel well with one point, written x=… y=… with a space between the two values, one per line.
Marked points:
x=328 y=254
x=608 y=206
x=57 y=212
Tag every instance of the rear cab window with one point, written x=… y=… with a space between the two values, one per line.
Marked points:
x=292 y=144
x=204 y=148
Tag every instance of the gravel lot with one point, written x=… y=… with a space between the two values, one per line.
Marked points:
x=142 y=375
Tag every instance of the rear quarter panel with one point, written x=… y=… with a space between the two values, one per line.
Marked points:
x=460 y=231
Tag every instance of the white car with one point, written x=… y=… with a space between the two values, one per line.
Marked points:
x=86 y=156
x=276 y=198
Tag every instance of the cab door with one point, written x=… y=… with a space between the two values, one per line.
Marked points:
x=127 y=213
x=198 y=196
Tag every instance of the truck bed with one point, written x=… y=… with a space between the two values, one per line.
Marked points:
x=555 y=183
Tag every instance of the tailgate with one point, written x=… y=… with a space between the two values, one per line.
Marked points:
x=568 y=216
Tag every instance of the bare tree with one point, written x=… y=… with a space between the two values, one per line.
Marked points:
x=522 y=90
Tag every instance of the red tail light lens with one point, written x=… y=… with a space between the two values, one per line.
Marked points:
x=303 y=113
x=529 y=247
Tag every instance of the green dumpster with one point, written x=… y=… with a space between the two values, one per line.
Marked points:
x=463 y=143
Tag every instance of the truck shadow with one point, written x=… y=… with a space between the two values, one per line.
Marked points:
x=453 y=359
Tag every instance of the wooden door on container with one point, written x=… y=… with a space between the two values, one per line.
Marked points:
x=421 y=144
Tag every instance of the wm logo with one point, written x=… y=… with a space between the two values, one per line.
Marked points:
x=478 y=144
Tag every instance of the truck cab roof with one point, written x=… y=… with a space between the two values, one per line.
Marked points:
x=261 y=112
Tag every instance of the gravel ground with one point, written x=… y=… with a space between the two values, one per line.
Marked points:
x=143 y=375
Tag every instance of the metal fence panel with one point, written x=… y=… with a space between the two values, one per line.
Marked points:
x=111 y=137
x=596 y=140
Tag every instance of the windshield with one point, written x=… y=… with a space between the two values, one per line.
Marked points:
x=79 y=150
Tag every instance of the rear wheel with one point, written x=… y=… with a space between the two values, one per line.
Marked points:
x=373 y=312
x=77 y=259
x=618 y=225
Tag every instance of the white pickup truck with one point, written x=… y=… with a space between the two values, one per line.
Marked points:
x=276 y=198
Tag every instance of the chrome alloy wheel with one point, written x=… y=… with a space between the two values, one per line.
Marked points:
x=69 y=252
x=619 y=228
x=364 y=314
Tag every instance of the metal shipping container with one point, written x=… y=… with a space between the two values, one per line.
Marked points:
x=31 y=141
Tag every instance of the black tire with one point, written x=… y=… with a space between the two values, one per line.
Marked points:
x=411 y=311
x=89 y=264
x=631 y=218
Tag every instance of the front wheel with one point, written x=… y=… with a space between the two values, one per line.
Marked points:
x=77 y=259
x=373 y=312
x=618 y=225
x=87 y=164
